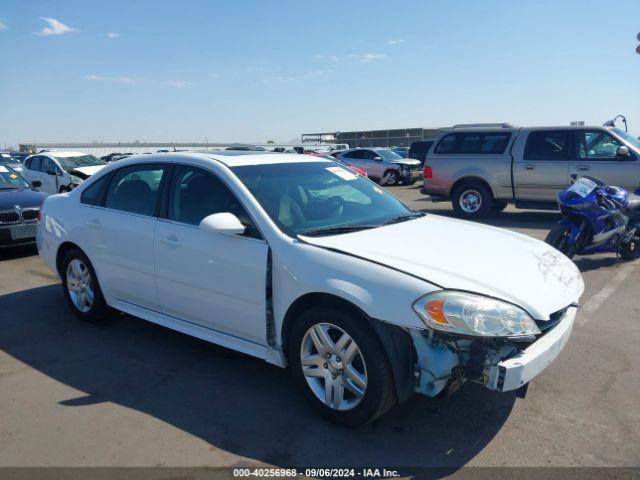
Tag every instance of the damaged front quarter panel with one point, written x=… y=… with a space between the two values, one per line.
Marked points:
x=435 y=363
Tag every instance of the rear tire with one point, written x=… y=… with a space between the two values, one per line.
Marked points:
x=499 y=206
x=81 y=288
x=347 y=388
x=472 y=200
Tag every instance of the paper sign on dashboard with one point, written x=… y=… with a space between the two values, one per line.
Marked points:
x=342 y=173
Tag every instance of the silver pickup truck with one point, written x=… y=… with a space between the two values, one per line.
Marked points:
x=484 y=169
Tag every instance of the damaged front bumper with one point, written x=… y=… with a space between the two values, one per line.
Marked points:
x=501 y=365
x=512 y=371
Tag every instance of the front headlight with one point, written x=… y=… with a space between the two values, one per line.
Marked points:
x=470 y=314
x=75 y=180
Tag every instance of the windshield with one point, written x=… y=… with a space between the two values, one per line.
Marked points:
x=9 y=160
x=10 y=179
x=69 y=163
x=627 y=137
x=317 y=197
x=388 y=154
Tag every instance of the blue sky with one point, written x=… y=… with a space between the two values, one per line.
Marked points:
x=255 y=70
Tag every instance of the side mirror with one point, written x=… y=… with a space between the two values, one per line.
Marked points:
x=52 y=172
x=36 y=184
x=377 y=159
x=623 y=151
x=222 y=223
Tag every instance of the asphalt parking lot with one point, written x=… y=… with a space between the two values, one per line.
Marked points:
x=130 y=393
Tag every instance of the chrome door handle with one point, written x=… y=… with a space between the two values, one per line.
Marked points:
x=171 y=240
x=529 y=167
x=583 y=168
x=94 y=222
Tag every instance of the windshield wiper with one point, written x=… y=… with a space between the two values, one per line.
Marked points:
x=404 y=218
x=336 y=230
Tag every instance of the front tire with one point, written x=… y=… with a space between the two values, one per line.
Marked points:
x=558 y=239
x=472 y=200
x=81 y=288
x=390 y=178
x=339 y=363
x=631 y=250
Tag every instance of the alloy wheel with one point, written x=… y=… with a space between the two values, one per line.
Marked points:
x=80 y=285
x=391 y=178
x=333 y=366
x=471 y=201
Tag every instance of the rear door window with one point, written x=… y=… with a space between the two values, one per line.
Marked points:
x=547 y=145
x=135 y=189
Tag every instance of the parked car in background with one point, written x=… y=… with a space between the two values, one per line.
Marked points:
x=246 y=148
x=60 y=171
x=483 y=169
x=355 y=169
x=120 y=157
x=20 y=156
x=302 y=263
x=109 y=157
x=19 y=208
x=419 y=149
x=382 y=165
x=9 y=160
x=330 y=149
x=402 y=151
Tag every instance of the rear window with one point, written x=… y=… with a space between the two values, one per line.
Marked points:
x=419 y=150
x=473 y=143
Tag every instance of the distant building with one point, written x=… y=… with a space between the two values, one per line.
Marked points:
x=100 y=149
x=403 y=137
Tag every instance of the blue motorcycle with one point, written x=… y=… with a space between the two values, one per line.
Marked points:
x=597 y=218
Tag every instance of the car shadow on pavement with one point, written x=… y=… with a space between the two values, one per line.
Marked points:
x=232 y=401
x=525 y=219
x=586 y=264
x=18 y=252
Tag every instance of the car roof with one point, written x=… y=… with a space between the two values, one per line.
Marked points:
x=62 y=153
x=267 y=158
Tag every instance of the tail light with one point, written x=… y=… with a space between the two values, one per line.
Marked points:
x=427 y=172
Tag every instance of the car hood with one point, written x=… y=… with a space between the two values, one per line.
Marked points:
x=407 y=161
x=462 y=255
x=86 y=172
x=24 y=197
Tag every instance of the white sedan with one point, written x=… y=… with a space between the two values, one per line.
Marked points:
x=60 y=171
x=298 y=261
